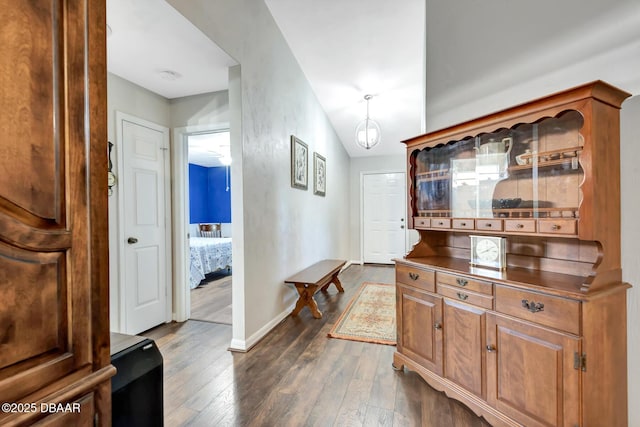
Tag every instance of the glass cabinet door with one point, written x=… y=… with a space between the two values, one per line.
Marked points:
x=529 y=171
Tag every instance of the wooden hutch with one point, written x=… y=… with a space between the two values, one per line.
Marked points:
x=541 y=339
x=55 y=365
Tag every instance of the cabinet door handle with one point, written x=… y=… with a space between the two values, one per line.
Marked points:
x=532 y=306
x=414 y=276
x=491 y=348
x=461 y=282
x=437 y=325
x=462 y=296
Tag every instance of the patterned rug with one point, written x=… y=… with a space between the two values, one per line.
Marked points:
x=370 y=316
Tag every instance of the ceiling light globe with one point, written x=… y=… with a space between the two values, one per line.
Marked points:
x=368 y=134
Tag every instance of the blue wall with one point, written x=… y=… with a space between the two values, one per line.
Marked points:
x=208 y=199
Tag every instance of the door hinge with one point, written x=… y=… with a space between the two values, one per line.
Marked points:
x=580 y=361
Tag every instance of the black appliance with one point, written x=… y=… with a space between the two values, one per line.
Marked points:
x=136 y=389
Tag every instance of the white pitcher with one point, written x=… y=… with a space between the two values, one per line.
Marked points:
x=496 y=147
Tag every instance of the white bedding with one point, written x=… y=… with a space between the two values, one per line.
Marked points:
x=208 y=254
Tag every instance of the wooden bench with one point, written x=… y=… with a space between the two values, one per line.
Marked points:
x=319 y=275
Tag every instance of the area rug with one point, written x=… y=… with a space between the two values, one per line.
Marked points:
x=370 y=316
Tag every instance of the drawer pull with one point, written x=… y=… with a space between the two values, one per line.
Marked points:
x=491 y=348
x=488 y=224
x=437 y=325
x=462 y=296
x=463 y=224
x=555 y=227
x=519 y=225
x=440 y=223
x=532 y=306
x=461 y=282
x=414 y=276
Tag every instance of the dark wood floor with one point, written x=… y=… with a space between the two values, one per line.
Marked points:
x=211 y=301
x=296 y=376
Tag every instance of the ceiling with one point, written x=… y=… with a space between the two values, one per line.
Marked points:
x=344 y=49
x=149 y=40
x=210 y=149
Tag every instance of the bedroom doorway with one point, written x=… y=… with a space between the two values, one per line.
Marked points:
x=210 y=272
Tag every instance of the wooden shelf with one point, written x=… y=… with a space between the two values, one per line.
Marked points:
x=437 y=175
x=546 y=159
x=557 y=212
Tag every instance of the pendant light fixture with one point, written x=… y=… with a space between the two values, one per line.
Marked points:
x=368 y=131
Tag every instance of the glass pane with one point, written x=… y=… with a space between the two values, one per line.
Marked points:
x=529 y=171
x=546 y=172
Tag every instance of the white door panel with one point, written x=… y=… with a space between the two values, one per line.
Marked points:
x=384 y=224
x=144 y=185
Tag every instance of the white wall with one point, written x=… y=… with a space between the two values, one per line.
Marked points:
x=198 y=110
x=489 y=55
x=129 y=98
x=497 y=54
x=630 y=176
x=284 y=229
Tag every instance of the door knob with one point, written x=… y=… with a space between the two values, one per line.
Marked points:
x=132 y=240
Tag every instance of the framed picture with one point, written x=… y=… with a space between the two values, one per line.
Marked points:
x=319 y=174
x=299 y=163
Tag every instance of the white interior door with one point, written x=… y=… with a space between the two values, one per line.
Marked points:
x=146 y=260
x=383 y=222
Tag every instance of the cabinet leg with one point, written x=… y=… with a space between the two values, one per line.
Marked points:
x=397 y=364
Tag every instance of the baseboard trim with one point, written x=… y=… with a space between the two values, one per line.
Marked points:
x=243 y=346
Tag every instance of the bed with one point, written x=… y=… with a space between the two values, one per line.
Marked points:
x=208 y=254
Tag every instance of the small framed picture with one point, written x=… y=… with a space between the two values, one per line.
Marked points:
x=319 y=174
x=299 y=163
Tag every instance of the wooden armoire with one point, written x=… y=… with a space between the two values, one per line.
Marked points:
x=54 y=330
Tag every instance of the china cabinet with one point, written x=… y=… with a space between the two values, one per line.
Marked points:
x=512 y=301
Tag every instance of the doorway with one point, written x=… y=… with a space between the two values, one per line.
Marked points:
x=383 y=217
x=210 y=239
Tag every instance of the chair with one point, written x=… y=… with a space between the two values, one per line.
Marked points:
x=210 y=230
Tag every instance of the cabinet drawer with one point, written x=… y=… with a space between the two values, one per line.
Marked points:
x=421 y=222
x=557 y=226
x=463 y=224
x=520 y=225
x=423 y=279
x=481 y=300
x=489 y=224
x=465 y=283
x=548 y=310
x=440 y=222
